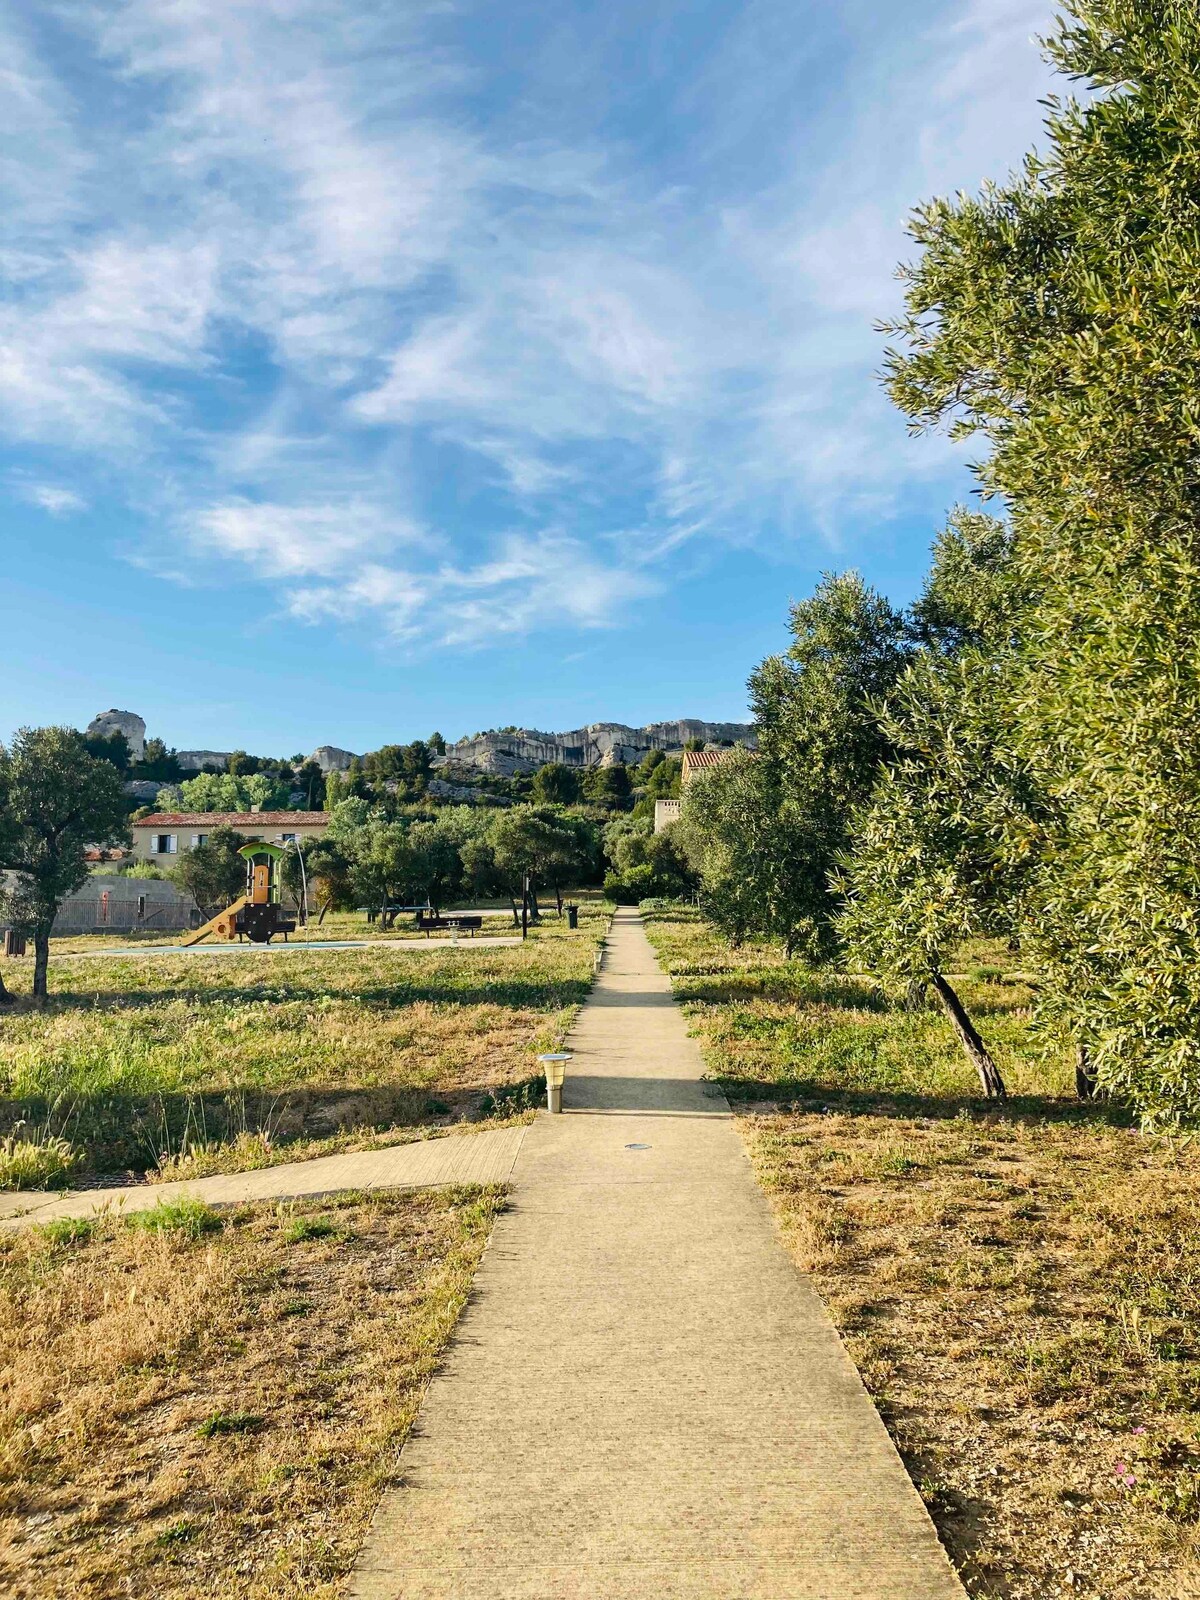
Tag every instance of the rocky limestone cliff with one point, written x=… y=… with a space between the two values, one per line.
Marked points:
x=194 y=760
x=126 y=722
x=330 y=758
x=600 y=744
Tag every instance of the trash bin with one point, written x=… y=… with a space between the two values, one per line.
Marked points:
x=572 y=916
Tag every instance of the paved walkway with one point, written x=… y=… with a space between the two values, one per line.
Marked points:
x=485 y=1157
x=644 y=1398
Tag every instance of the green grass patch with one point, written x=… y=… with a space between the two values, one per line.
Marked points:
x=66 y=1231
x=221 y=1423
x=305 y=1228
x=186 y=1215
x=44 y=1162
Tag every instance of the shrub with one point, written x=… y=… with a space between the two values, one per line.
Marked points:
x=143 y=869
x=626 y=888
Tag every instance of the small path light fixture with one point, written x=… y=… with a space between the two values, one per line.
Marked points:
x=555 y=1068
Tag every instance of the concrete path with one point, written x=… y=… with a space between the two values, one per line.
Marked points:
x=485 y=1157
x=644 y=1398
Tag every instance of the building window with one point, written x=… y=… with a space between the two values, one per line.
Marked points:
x=165 y=844
x=289 y=838
x=198 y=839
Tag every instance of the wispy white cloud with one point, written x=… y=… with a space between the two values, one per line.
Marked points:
x=51 y=497
x=290 y=541
x=365 y=312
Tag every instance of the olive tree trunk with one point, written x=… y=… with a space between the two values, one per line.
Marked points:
x=1086 y=1086
x=41 y=963
x=977 y=1052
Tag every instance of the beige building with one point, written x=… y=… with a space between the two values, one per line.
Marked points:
x=694 y=761
x=166 y=834
x=666 y=812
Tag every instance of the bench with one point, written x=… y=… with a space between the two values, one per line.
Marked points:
x=428 y=922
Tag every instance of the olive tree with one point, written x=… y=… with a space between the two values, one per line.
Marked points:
x=55 y=801
x=540 y=844
x=740 y=848
x=1057 y=316
x=940 y=852
x=819 y=746
x=213 y=873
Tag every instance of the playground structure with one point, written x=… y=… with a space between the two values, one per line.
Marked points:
x=256 y=915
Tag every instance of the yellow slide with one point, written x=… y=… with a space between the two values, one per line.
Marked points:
x=222 y=925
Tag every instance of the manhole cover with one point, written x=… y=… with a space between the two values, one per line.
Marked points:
x=637 y=1147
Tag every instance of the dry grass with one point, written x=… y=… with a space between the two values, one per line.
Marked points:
x=136 y=1061
x=1022 y=1301
x=212 y=1408
x=1020 y=1288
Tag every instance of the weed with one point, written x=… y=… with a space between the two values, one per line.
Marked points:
x=67 y=1230
x=187 y=1216
x=987 y=975
x=38 y=1163
x=512 y=1099
x=305 y=1228
x=223 y=1422
x=176 y=1533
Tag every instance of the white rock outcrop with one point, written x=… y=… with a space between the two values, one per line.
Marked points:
x=330 y=759
x=125 y=722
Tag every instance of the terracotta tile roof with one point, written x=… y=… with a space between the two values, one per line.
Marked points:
x=699 y=760
x=235 y=819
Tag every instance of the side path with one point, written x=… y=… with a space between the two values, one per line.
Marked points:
x=485 y=1157
x=644 y=1398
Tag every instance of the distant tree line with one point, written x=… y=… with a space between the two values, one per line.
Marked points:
x=394 y=776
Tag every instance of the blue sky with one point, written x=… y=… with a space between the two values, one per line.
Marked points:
x=370 y=367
